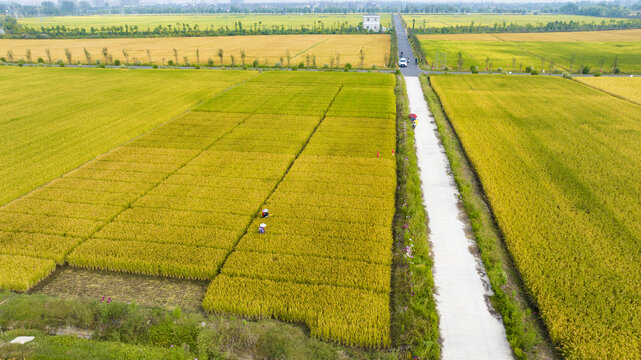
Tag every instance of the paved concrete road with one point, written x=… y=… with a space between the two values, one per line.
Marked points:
x=469 y=328
x=405 y=48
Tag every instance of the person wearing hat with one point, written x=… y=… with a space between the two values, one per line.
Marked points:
x=261 y=228
x=265 y=213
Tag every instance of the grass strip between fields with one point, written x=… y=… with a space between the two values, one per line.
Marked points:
x=524 y=331
x=414 y=317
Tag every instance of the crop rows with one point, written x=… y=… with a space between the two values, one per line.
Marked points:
x=623 y=87
x=561 y=174
x=325 y=259
x=182 y=201
x=205 y=205
x=54 y=120
x=48 y=223
x=275 y=98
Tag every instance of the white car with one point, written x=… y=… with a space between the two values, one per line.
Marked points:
x=402 y=62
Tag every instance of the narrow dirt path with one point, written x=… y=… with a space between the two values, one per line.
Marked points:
x=469 y=326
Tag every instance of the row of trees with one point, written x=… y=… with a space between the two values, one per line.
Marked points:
x=423 y=28
x=179 y=29
x=602 y=9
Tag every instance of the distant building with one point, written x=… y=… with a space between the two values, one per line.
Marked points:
x=130 y=3
x=372 y=22
x=236 y=2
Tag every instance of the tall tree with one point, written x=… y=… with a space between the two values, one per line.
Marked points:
x=87 y=55
x=68 y=55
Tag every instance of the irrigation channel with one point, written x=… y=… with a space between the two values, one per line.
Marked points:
x=469 y=327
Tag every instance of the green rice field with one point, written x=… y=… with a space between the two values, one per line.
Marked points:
x=546 y=51
x=447 y=20
x=203 y=21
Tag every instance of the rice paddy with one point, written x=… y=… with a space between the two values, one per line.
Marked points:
x=183 y=200
x=335 y=50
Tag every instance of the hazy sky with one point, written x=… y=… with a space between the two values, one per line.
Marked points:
x=37 y=2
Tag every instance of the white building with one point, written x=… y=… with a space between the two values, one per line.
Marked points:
x=372 y=22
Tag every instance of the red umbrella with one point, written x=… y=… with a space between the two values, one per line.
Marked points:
x=413 y=116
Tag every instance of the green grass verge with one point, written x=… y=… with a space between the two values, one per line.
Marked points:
x=70 y=347
x=122 y=329
x=523 y=333
x=414 y=316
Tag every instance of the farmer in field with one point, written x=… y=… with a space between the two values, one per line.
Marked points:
x=261 y=228
x=265 y=213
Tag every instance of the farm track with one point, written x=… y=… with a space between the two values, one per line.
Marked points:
x=468 y=325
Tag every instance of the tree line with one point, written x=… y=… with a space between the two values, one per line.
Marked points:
x=178 y=30
x=188 y=59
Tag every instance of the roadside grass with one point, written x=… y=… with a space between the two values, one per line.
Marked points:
x=414 y=315
x=525 y=332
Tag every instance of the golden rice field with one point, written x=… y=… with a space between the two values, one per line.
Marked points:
x=625 y=87
x=53 y=121
x=203 y=21
x=183 y=199
x=560 y=164
x=266 y=49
